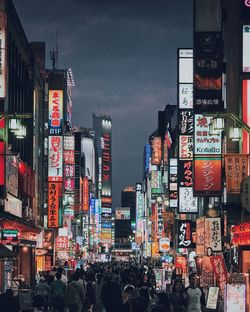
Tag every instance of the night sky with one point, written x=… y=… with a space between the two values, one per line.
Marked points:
x=123 y=57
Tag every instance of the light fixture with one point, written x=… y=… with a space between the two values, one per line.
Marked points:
x=212 y=131
x=218 y=124
x=14 y=125
x=234 y=133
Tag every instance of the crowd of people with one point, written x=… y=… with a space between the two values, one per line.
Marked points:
x=120 y=287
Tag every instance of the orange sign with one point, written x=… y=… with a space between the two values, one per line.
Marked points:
x=236 y=169
x=156 y=151
x=85 y=205
x=207 y=171
x=53 y=204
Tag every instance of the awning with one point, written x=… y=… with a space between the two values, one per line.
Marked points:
x=6 y=254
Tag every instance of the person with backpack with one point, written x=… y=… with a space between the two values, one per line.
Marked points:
x=58 y=290
x=75 y=294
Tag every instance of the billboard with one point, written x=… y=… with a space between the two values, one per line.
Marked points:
x=156 y=151
x=204 y=143
x=208 y=62
x=213 y=239
x=236 y=169
x=12 y=174
x=207 y=176
x=53 y=204
x=2 y=163
x=55 y=159
x=185 y=173
x=186 y=70
x=122 y=213
x=55 y=112
x=147 y=155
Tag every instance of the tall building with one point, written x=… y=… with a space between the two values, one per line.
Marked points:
x=102 y=126
x=128 y=199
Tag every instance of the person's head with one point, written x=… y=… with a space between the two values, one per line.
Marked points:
x=178 y=287
x=145 y=278
x=9 y=292
x=75 y=277
x=42 y=279
x=159 y=308
x=192 y=280
x=139 y=304
x=60 y=270
x=58 y=275
x=129 y=289
x=163 y=299
x=54 y=269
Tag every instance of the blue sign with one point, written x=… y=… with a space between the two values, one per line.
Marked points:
x=147 y=155
x=92 y=204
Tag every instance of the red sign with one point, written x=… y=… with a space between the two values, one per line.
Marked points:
x=220 y=271
x=2 y=163
x=62 y=242
x=85 y=205
x=207 y=172
x=240 y=234
x=53 y=204
x=69 y=157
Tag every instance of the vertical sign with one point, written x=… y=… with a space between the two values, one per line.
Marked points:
x=156 y=151
x=55 y=161
x=245 y=114
x=55 y=112
x=2 y=54
x=85 y=194
x=53 y=205
x=213 y=234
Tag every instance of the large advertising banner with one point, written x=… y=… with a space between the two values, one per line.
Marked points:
x=185 y=173
x=204 y=143
x=12 y=174
x=236 y=169
x=53 y=204
x=55 y=112
x=184 y=234
x=122 y=213
x=85 y=195
x=207 y=176
x=3 y=68
x=245 y=114
x=213 y=239
x=187 y=202
x=55 y=159
x=208 y=62
x=185 y=147
x=186 y=122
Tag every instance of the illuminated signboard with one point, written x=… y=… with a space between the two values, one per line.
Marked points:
x=85 y=205
x=69 y=184
x=204 y=143
x=207 y=176
x=246 y=49
x=213 y=237
x=147 y=155
x=55 y=112
x=186 y=96
x=122 y=213
x=187 y=202
x=55 y=159
x=184 y=234
x=3 y=68
x=12 y=174
x=9 y=235
x=53 y=204
x=2 y=163
x=208 y=60
x=186 y=70
x=186 y=122
x=186 y=147
x=185 y=173
x=156 y=151
x=236 y=169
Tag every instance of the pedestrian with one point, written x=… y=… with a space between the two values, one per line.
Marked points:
x=129 y=293
x=162 y=298
x=64 y=278
x=177 y=298
x=43 y=289
x=75 y=294
x=90 y=291
x=9 y=302
x=139 y=304
x=58 y=290
x=111 y=296
x=194 y=296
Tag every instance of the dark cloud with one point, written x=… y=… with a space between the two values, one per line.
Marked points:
x=123 y=56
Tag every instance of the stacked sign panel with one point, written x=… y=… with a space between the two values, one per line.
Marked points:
x=187 y=203
x=55 y=157
x=106 y=183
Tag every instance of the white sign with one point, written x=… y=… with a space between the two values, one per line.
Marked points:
x=212 y=298
x=186 y=96
x=213 y=234
x=204 y=143
x=13 y=206
x=55 y=159
x=187 y=202
x=186 y=70
x=164 y=244
x=246 y=49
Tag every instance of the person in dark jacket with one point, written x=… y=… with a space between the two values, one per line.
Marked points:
x=9 y=302
x=111 y=296
x=58 y=290
x=176 y=298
